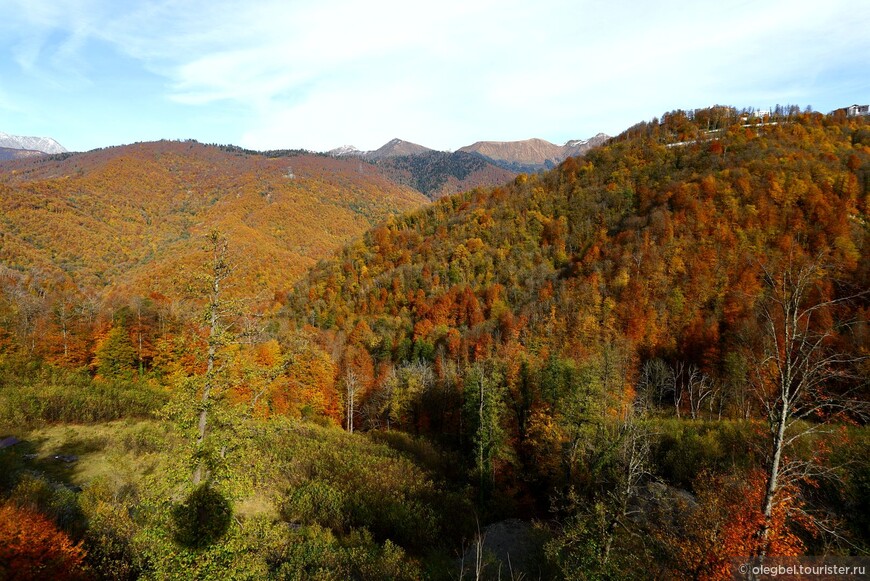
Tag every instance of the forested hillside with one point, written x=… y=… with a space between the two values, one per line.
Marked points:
x=441 y=173
x=708 y=267
x=8 y=153
x=125 y=214
x=654 y=246
x=84 y=235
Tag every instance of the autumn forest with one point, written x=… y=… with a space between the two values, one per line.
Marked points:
x=646 y=362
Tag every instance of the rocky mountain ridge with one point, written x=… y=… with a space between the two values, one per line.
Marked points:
x=527 y=155
x=533 y=154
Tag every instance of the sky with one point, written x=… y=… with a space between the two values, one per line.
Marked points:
x=318 y=74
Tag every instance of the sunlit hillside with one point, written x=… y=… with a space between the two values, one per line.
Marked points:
x=131 y=216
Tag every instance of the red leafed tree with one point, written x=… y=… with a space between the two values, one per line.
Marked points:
x=725 y=523
x=32 y=547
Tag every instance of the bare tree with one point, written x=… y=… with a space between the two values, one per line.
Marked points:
x=654 y=383
x=63 y=317
x=351 y=388
x=28 y=294
x=475 y=552
x=699 y=388
x=796 y=369
x=676 y=384
x=633 y=460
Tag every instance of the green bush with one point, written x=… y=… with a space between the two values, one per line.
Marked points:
x=685 y=448
x=316 y=502
x=55 y=501
x=110 y=532
x=372 y=485
x=315 y=553
x=10 y=465
x=848 y=493
x=42 y=393
x=418 y=449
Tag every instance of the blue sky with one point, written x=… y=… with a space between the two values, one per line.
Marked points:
x=319 y=74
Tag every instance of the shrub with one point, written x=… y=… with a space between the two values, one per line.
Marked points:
x=316 y=502
x=684 y=449
x=55 y=501
x=111 y=529
x=55 y=395
x=32 y=547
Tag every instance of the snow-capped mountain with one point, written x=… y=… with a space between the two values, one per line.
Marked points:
x=577 y=147
x=344 y=150
x=393 y=148
x=43 y=144
x=595 y=140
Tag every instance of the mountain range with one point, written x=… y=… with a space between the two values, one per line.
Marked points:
x=431 y=172
x=157 y=197
x=484 y=163
x=519 y=156
x=532 y=154
x=527 y=155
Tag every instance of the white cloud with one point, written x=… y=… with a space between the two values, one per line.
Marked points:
x=319 y=74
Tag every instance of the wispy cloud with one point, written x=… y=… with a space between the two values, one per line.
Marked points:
x=318 y=74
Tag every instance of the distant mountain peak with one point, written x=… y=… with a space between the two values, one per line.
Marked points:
x=597 y=139
x=345 y=150
x=517 y=156
x=43 y=144
x=532 y=154
x=397 y=147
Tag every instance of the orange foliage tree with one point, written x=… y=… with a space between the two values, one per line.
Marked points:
x=32 y=547
x=725 y=525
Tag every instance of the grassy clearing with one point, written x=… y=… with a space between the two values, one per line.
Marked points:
x=305 y=499
x=79 y=454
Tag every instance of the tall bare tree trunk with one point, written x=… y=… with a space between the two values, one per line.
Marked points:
x=351 y=385
x=794 y=371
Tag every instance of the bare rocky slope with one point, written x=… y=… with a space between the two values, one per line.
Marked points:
x=532 y=154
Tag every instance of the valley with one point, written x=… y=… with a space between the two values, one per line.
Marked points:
x=640 y=362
